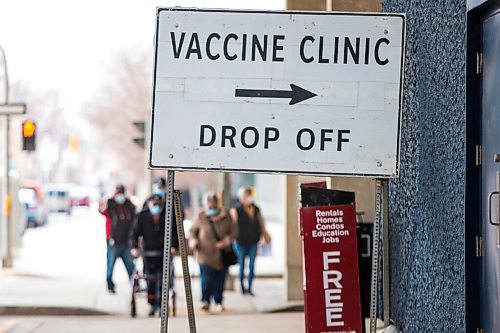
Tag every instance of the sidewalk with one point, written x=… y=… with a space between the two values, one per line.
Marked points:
x=28 y=294
x=60 y=269
x=249 y=323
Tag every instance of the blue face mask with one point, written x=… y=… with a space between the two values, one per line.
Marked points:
x=120 y=199
x=155 y=210
x=212 y=211
x=159 y=192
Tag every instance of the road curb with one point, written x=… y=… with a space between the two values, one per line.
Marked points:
x=49 y=311
x=288 y=308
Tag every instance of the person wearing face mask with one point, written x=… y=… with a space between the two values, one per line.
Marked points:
x=150 y=228
x=159 y=188
x=120 y=218
x=251 y=228
x=208 y=246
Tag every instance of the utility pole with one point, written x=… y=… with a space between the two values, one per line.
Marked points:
x=6 y=110
x=7 y=260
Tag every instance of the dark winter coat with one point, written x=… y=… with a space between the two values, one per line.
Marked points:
x=153 y=233
x=249 y=228
x=122 y=218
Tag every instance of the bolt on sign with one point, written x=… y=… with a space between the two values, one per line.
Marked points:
x=315 y=93
x=331 y=286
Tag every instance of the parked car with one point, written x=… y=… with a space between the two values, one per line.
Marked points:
x=35 y=210
x=80 y=197
x=58 y=198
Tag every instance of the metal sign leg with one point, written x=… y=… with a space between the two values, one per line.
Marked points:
x=385 y=255
x=184 y=258
x=167 y=262
x=376 y=256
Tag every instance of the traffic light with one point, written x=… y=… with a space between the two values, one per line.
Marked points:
x=74 y=143
x=29 y=135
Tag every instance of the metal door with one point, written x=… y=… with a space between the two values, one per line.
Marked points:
x=490 y=279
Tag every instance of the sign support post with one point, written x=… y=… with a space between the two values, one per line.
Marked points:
x=385 y=255
x=376 y=254
x=173 y=206
x=179 y=218
x=167 y=259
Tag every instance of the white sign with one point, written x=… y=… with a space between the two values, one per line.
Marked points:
x=315 y=93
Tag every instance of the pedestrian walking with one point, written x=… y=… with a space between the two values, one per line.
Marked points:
x=212 y=232
x=252 y=230
x=120 y=218
x=150 y=228
x=159 y=188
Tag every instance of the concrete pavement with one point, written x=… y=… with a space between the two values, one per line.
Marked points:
x=39 y=295
x=60 y=270
x=242 y=323
x=251 y=323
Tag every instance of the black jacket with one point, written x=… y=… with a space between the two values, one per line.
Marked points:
x=122 y=219
x=153 y=233
x=248 y=226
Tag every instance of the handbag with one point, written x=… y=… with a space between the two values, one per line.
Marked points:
x=227 y=254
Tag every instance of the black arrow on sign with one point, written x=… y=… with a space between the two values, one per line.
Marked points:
x=296 y=95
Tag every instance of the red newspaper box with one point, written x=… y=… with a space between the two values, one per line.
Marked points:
x=331 y=276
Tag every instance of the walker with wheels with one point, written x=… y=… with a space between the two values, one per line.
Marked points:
x=140 y=284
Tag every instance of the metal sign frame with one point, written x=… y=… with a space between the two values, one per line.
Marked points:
x=380 y=221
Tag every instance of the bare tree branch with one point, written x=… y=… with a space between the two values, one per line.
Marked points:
x=120 y=102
